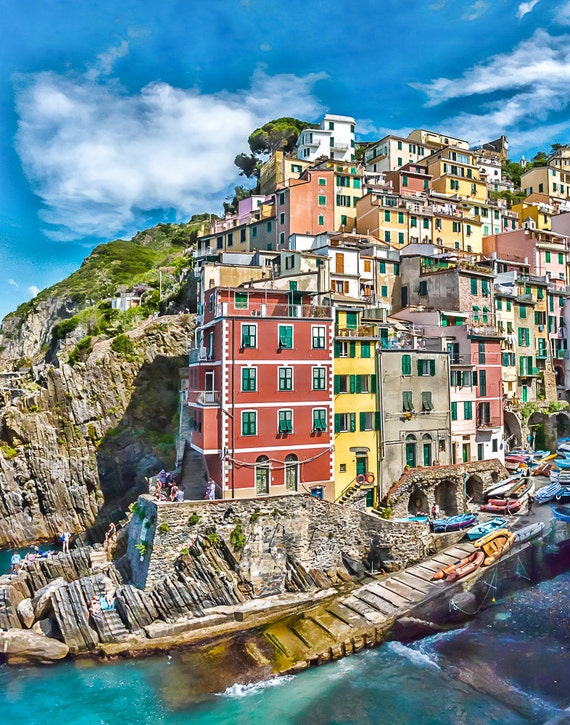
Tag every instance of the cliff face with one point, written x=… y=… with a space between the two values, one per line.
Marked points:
x=75 y=440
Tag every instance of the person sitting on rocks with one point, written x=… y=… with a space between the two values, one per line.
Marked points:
x=95 y=606
x=162 y=477
x=16 y=562
x=173 y=492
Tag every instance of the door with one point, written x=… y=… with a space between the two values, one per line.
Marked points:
x=262 y=475
x=465 y=454
x=427 y=454
x=411 y=454
x=361 y=466
x=209 y=392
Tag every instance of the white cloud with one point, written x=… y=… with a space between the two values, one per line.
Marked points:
x=13 y=283
x=476 y=10
x=33 y=290
x=99 y=158
x=525 y=8
x=265 y=47
x=106 y=61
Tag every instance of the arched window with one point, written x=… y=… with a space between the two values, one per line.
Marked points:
x=262 y=475
x=291 y=472
x=427 y=449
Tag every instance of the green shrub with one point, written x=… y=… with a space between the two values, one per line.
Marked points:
x=238 y=538
x=123 y=345
x=142 y=548
x=63 y=328
x=81 y=351
x=185 y=551
x=163 y=528
x=8 y=452
x=213 y=538
x=193 y=519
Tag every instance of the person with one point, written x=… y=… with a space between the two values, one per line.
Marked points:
x=16 y=562
x=65 y=537
x=173 y=492
x=211 y=490
x=95 y=606
x=433 y=514
x=162 y=477
x=111 y=534
x=530 y=504
x=179 y=495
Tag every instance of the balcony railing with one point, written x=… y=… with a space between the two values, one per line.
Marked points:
x=492 y=422
x=262 y=309
x=360 y=331
x=198 y=354
x=204 y=397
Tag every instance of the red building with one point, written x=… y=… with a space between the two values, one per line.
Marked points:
x=486 y=354
x=260 y=392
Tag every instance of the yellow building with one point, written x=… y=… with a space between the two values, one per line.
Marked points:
x=540 y=214
x=454 y=173
x=551 y=181
x=278 y=169
x=356 y=407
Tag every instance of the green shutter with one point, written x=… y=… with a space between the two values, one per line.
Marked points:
x=337 y=384
x=377 y=420
x=352 y=348
x=432 y=367
x=373 y=383
x=420 y=367
x=454 y=411
x=521 y=336
x=358 y=383
x=353 y=383
x=362 y=421
x=337 y=349
x=352 y=422
x=337 y=422
x=406 y=365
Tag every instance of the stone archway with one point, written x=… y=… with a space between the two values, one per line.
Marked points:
x=513 y=431
x=446 y=497
x=536 y=432
x=474 y=489
x=418 y=502
x=562 y=425
x=559 y=374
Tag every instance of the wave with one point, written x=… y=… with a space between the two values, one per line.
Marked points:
x=415 y=656
x=239 y=690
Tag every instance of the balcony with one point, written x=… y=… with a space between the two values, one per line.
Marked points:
x=204 y=397
x=199 y=354
x=492 y=422
x=484 y=330
x=261 y=309
x=339 y=146
x=542 y=353
x=360 y=331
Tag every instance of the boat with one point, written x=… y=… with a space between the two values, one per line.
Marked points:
x=562 y=513
x=563 y=495
x=413 y=519
x=525 y=488
x=501 y=487
x=453 y=523
x=501 y=506
x=547 y=493
x=482 y=529
x=495 y=545
x=529 y=532
x=460 y=568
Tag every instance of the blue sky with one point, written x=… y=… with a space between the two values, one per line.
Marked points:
x=115 y=116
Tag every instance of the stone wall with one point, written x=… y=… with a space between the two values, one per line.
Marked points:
x=276 y=532
x=420 y=488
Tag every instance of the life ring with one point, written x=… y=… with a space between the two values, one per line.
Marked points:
x=370 y=478
x=361 y=478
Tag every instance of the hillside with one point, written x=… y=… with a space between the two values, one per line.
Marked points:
x=155 y=260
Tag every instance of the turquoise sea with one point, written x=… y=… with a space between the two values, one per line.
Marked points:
x=507 y=666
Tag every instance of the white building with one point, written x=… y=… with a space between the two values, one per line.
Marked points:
x=334 y=139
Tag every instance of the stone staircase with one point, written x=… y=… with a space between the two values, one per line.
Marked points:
x=193 y=476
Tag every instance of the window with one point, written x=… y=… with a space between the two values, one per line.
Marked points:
x=285 y=421
x=241 y=301
x=425 y=223
x=262 y=475
x=426 y=367
x=342 y=200
x=404 y=180
x=468 y=410
x=407 y=401
x=291 y=472
x=365 y=349
x=474 y=286
x=282 y=218
x=269 y=226
x=387 y=215
x=345 y=422
x=547 y=256
x=230 y=239
x=322 y=200
x=242 y=235
x=413 y=221
x=524 y=336
x=319 y=378
x=522 y=311
x=341 y=348
x=387 y=235
x=285 y=378
x=384 y=291
x=427 y=403
x=406 y=364
x=481 y=352
x=249 y=335
x=249 y=423
x=482 y=382
x=342 y=181
x=423 y=288
x=560 y=258
x=453 y=411
x=319 y=419
x=318 y=337
x=369 y=420
x=342 y=384
x=254 y=232
x=400 y=217
x=286 y=337
x=485 y=287
x=400 y=237
x=322 y=181
x=248 y=379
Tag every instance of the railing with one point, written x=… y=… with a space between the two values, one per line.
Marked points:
x=198 y=354
x=204 y=397
x=261 y=309
x=427 y=266
x=360 y=331
x=492 y=422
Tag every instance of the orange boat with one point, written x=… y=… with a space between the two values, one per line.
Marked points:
x=465 y=566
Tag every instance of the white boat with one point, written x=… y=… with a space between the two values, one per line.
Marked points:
x=547 y=493
x=529 y=532
x=500 y=488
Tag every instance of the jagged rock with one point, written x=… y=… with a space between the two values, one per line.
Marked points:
x=65 y=464
x=42 y=598
x=10 y=597
x=25 y=611
x=23 y=646
x=407 y=629
x=46 y=627
x=354 y=567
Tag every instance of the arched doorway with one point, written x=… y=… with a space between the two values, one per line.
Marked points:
x=262 y=475
x=535 y=425
x=513 y=433
x=291 y=472
x=427 y=449
x=562 y=425
x=474 y=489
x=446 y=497
x=418 y=502
x=411 y=450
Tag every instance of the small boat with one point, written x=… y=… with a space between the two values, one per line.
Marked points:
x=495 y=545
x=547 y=493
x=453 y=523
x=460 y=568
x=413 y=519
x=501 y=487
x=476 y=532
x=501 y=506
x=525 y=488
x=562 y=513
x=563 y=495
x=529 y=532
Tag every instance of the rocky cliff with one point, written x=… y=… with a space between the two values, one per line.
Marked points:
x=76 y=442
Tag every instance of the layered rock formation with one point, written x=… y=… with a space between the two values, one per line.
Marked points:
x=76 y=439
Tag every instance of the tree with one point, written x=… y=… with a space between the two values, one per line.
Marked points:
x=513 y=171
x=249 y=165
x=540 y=159
x=241 y=192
